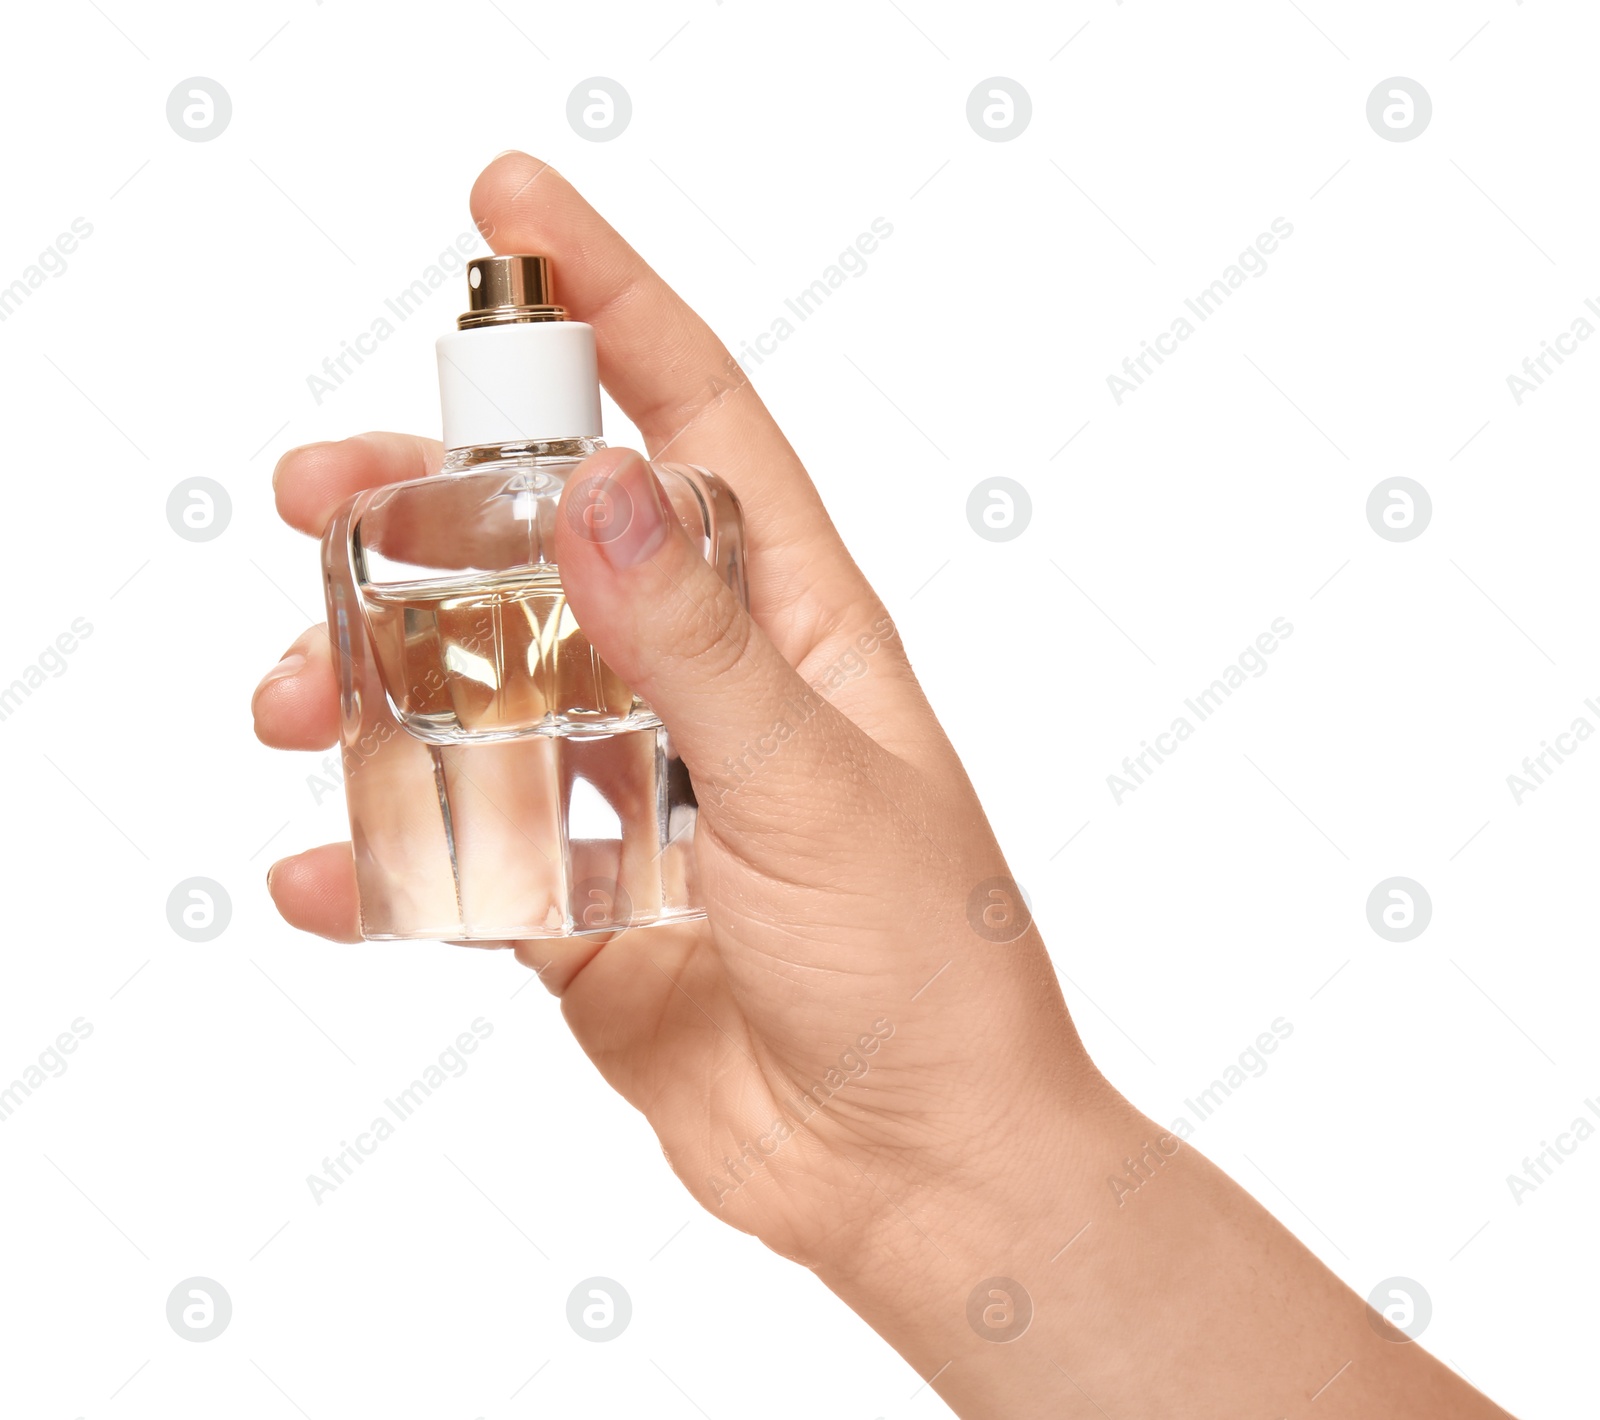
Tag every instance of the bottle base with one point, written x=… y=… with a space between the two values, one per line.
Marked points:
x=665 y=919
x=546 y=836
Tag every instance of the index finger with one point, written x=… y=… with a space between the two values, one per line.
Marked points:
x=674 y=379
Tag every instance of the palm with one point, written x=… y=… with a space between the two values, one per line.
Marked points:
x=716 y=1029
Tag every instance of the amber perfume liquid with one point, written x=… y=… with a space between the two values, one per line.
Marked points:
x=493 y=657
x=503 y=782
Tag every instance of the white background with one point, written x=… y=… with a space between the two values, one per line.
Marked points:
x=1228 y=891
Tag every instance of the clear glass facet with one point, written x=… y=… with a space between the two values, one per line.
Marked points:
x=502 y=781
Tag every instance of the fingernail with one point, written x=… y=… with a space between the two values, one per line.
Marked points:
x=270 y=871
x=619 y=506
x=288 y=666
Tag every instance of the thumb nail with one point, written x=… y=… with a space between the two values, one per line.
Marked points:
x=618 y=505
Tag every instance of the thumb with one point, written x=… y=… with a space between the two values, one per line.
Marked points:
x=747 y=727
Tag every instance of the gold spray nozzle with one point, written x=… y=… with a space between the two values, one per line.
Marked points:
x=504 y=290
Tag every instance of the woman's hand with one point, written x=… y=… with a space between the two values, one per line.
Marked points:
x=839 y=841
x=861 y=1056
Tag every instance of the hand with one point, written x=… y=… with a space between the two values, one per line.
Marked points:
x=837 y=860
x=862 y=1055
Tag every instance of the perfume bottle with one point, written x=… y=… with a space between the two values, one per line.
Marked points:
x=502 y=781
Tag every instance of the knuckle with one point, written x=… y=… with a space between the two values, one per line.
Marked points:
x=715 y=635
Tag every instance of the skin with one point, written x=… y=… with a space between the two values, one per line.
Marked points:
x=963 y=1133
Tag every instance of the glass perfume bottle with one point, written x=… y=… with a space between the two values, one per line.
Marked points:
x=502 y=782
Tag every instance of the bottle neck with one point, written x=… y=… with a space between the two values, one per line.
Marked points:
x=475 y=456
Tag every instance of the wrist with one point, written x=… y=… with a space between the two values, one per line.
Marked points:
x=1005 y=1219
x=1102 y=1267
